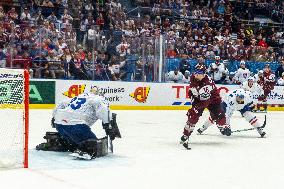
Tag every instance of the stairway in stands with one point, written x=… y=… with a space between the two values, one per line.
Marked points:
x=128 y=4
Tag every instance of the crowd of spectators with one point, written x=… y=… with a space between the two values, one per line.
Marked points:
x=273 y=9
x=84 y=39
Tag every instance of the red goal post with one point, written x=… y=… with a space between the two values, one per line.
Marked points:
x=14 y=112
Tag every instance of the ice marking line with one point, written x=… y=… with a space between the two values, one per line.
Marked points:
x=56 y=179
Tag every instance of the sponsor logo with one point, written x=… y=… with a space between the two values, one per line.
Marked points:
x=35 y=94
x=110 y=90
x=11 y=76
x=140 y=94
x=112 y=94
x=74 y=90
x=182 y=92
x=7 y=91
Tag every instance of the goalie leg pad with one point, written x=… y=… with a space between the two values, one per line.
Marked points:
x=95 y=148
x=54 y=142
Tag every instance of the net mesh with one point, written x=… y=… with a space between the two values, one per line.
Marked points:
x=12 y=114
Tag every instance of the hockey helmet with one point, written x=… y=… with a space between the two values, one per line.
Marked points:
x=188 y=73
x=240 y=96
x=260 y=72
x=267 y=66
x=251 y=79
x=242 y=62
x=94 y=89
x=199 y=71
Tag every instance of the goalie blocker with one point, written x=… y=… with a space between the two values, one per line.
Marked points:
x=94 y=147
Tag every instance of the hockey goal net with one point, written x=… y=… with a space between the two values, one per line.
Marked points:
x=14 y=111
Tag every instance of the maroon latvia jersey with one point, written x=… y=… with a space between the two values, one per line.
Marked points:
x=204 y=92
x=268 y=81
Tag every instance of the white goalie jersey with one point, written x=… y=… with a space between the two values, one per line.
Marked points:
x=86 y=109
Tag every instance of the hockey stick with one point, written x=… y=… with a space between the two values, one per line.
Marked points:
x=110 y=145
x=110 y=141
x=241 y=130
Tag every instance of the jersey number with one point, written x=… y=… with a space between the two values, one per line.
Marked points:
x=76 y=103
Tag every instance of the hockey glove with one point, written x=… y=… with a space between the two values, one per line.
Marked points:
x=52 y=123
x=109 y=131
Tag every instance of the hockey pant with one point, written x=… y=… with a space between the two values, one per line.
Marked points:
x=252 y=119
x=262 y=100
x=75 y=134
x=216 y=113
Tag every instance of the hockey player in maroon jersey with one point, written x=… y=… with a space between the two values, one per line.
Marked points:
x=267 y=82
x=204 y=94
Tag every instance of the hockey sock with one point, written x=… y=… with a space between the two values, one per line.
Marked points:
x=207 y=124
x=188 y=129
x=256 y=124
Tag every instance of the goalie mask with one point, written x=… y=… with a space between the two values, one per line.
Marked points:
x=94 y=90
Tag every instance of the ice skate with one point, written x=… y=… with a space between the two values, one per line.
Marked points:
x=81 y=155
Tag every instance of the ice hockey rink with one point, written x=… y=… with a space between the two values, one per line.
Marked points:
x=149 y=156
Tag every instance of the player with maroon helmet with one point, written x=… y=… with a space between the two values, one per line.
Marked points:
x=204 y=94
x=267 y=81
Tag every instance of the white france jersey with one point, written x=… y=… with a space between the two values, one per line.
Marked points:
x=242 y=75
x=172 y=77
x=280 y=82
x=233 y=105
x=256 y=77
x=255 y=89
x=186 y=80
x=86 y=109
x=218 y=73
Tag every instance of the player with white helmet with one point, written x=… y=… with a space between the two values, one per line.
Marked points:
x=238 y=100
x=257 y=77
x=218 y=71
x=73 y=120
x=242 y=73
x=280 y=81
x=174 y=76
x=186 y=77
x=252 y=86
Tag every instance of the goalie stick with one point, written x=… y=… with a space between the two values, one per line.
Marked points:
x=114 y=128
x=241 y=130
x=110 y=145
x=110 y=141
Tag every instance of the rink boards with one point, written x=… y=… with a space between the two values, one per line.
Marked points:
x=130 y=95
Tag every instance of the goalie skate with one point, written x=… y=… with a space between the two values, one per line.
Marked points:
x=81 y=155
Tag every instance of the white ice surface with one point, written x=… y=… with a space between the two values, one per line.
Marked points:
x=149 y=156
